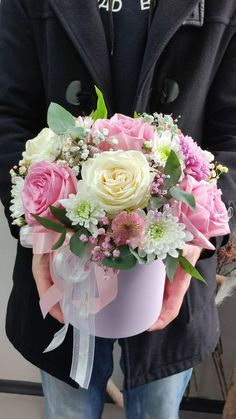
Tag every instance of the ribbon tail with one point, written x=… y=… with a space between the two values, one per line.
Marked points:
x=84 y=335
x=58 y=339
x=83 y=356
x=51 y=297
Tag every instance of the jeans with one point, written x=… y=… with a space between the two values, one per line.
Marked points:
x=156 y=400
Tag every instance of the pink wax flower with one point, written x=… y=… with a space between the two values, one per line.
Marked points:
x=129 y=133
x=44 y=185
x=129 y=227
x=209 y=219
x=197 y=161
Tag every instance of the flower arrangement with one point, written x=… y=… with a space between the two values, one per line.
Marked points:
x=128 y=190
x=103 y=196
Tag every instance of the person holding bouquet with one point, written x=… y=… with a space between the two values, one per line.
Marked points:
x=175 y=58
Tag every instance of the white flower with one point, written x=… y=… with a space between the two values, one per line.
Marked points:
x=208 y=155
x=17 y=208
x=82 y=209
x=84 y=122
x=76 y=170
x=46 y=146
x=163 y=143
x=19 y=222
x=164 y=236
x=118 y=180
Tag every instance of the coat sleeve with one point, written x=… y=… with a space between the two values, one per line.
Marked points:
x=220 y=125
x=22 y=99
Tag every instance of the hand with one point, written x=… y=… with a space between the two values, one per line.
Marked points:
x=41 y=272
x=174 y=292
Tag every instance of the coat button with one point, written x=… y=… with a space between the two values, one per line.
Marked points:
x=78 y=97
x=72 y=92
x=170 y=91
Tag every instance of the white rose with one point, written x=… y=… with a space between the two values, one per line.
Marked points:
x=118 y=180
x=46 y=146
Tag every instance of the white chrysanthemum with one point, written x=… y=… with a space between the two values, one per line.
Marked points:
x=164 y=236
x=16 y=208
x=83 y=210
x=163 y=143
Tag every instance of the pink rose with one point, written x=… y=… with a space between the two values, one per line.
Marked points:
x=210 y=218
x=44 y=185
x=129 y=132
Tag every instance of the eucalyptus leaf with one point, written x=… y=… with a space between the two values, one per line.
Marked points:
x=49 y=224
x=125 y=261
x=171 y=266
x=77 y=132
x=59 y=242
x=157 y=202
x=59 y=119
x=101 y=111
x=77 y=246
x=183 y=196
x=141 y=261
x=172 y=169
x=190 y=269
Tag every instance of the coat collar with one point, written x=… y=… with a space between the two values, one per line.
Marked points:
x=169 y=16
x=82 y=22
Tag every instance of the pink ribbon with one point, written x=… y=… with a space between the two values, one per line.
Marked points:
x=106 y=279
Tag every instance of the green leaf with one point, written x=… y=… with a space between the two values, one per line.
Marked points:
x=136 y=115
x=101 y=111
x=76 y=245
x=59 y=242
x=60 y=214
x=190 y=269
x=157 y=202
x=49 y=224
x=173 y=169
x=59 y=119
x=77 y=132
x=183 y=196
x=125 y=261
x=171 y=266
x=141 y=261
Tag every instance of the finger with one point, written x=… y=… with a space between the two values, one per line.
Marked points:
x=165 y=318
x=172 y=302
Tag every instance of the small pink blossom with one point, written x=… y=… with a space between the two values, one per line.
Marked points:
x=158 y=184
x=101 y=231
x=93 y=240
x=196 y=162
x=129 y=228
x=130 y=133
x=83 y=238
x=106 y=246
x=116 y=253
x=97 y=255
x=105 y=221
x=107 y=254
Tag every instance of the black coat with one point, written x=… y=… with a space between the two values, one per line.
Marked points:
x=55 y=50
